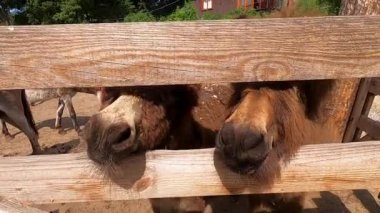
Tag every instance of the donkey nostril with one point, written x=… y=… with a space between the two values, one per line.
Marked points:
x=120 y=137
x=124 y=135
x=225 y=135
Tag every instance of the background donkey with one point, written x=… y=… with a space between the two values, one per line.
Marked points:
x=64 y=95
x=14 y=109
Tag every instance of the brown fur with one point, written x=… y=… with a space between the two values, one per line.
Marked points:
x=267 y=125
x=293 y=118
x=166 y=123
x=166 y=120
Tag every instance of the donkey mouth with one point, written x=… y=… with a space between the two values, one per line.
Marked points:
x=246 y=167
x=107 y=157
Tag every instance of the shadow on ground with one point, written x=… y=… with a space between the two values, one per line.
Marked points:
x=328 y=202
x=61 y=148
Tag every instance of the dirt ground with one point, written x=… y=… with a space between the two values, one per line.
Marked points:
x=210 y=115
x=374 y=113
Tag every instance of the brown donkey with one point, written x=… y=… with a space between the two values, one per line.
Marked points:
x=136 y=119
x=267 y=125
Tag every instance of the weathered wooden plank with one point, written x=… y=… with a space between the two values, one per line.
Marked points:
x=370 y=126
x=360 y=101
x=14 y=206
x=375 y=86
x=365 y=112
x=336 y=105
x=73 y=178
x=353 y=7
x=122 y=54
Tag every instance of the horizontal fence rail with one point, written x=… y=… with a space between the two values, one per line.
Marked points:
x=163 y=173
x=123 y=54
x=14 y=206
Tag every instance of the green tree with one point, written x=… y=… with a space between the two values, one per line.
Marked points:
x=108 y=10
x=317 y=7
x=77 y=11
x=42 y=11
x=140 y=16
x=186 y=13
x=71 y=11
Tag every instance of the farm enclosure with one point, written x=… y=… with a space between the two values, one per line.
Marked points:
x=93 y=71
x=336 y=201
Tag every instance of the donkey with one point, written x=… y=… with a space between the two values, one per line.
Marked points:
x=64 y=96
x=14 y=109
x=133 y=119
x=267 y=125
x=136 y=119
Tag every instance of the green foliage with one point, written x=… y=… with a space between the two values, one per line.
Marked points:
x=77 y=11
x=186 y=13
x=242 y=13
x=234 y=14
x=71 y=11
x=109 y=10
x=212 y=16
x=41 y=11
x=140 y=16
x=321 y=7
x=304 y=6
x=331 y=6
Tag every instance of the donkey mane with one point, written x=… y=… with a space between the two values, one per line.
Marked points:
x=311 y=93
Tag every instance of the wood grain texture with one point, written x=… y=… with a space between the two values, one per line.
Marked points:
x=365 y=112
x=336 y=105
x=124 y=54
x=357 y=110
x=354 y=7
x=14 y=206
x=73 y=178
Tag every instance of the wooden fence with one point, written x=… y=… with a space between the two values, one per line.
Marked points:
x=124 y=54
x=92 y=55
x=359 y=120
x=163 y=173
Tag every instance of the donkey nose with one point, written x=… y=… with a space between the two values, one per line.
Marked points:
x=238 y=136
x=242 y=147
x=120 y=137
